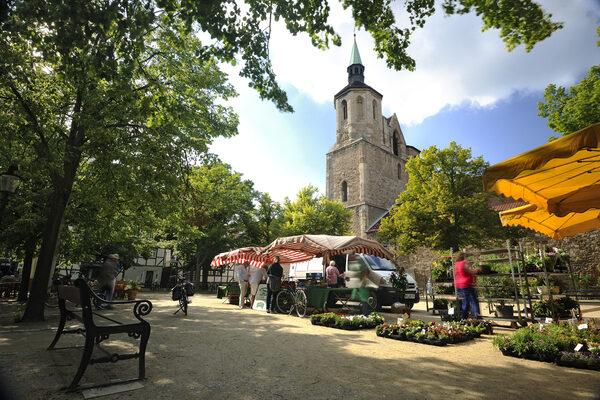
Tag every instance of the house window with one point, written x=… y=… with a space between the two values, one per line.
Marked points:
x=344 y=191
x=345 y=109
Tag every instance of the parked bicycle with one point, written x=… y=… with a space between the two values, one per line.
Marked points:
x=292 y=298
x=181 y=292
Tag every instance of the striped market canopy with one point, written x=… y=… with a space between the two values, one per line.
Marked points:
x=239 y=256
x=320 y=245
x=255 y=258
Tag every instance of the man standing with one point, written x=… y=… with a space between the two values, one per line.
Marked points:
x=331 y=275
x=274 y=273
x=108 y=277
x=242 y=278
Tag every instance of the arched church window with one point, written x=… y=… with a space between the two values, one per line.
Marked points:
x=395 y=143
x=359 y=102
x=344 y=191
x=345 y=109
x=374 y=108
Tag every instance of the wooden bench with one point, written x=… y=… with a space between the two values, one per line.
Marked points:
x=75 y=302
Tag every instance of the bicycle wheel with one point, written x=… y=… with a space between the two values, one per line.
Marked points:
x=183 y=302
x=301 y=303
x=284 y=302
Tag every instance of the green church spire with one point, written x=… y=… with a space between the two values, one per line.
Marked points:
x=355 y=56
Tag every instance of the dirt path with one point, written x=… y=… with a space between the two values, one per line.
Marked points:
x=221 y=352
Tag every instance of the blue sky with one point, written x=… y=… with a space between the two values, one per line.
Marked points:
x=467 y=88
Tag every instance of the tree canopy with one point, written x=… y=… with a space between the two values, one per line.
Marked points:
x=570 y=110
x=444 y=205
x=246 y=29
x=114 y=98
x=315 y=214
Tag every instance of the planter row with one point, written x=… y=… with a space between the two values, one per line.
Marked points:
x=559 y=360
x=432 y=342
x=344 y=327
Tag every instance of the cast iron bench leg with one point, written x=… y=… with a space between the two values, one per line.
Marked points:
x=85 y=360
x=59 y=331
x=142 y=357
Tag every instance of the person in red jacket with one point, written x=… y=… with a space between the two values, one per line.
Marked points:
x=465 y=278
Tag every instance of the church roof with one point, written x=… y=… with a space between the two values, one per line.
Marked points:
x=356 y=85
x=355 y=56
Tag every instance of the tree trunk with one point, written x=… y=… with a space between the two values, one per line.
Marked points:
x=25 y=275
x=197 y=266
x=46 y=260
x=51 y=236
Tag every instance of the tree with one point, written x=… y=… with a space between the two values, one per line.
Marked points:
x=269 y=216
x=117 y=85
x=315 y=214
x=444 y=205
x=247 y=30
x=215 y=203
x=575 y=109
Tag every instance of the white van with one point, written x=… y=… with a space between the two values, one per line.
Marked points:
x=378 y=277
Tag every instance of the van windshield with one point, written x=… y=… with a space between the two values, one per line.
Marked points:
x=378 y=264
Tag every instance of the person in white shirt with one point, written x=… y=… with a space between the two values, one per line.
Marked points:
x=257 y=278
x=242 y=278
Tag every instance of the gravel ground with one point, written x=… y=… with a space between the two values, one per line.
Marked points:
x=221 y=352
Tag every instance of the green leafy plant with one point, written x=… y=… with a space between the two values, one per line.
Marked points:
x=133 y=285
x=398 y=279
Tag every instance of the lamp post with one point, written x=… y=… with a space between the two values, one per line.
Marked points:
x=8 y=184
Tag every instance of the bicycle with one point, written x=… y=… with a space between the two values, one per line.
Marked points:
x=292 y=298
x=181 y=292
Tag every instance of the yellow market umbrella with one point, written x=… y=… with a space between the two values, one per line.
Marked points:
x=562 y=176
x=540 y=220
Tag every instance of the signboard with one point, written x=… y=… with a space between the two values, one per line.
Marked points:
x=260 y=302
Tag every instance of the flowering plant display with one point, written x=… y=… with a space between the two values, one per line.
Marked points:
x=432 y=333
x=442 y=269
x=347 y=321
x=554 y=308
x=554 y=343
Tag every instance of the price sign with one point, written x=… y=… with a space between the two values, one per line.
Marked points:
x=451 y=311
x=400 y=320
x=578 y=347
x=548 y=320
x=582 y=326
x=541 y=328
x=423 y=331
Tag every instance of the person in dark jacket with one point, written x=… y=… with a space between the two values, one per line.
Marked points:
x=274 y=275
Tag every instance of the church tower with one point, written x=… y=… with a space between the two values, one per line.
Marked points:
x=366 y=165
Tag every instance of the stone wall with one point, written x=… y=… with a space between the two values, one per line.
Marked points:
x=584 y=250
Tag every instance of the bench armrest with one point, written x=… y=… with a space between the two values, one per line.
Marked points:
x=140 y=307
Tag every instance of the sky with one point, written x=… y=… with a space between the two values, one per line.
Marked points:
x=466 y=88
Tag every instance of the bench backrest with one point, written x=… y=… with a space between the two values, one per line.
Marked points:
x=69 y=293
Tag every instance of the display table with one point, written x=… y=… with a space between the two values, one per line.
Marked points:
x=317 y=296
x=230 y=290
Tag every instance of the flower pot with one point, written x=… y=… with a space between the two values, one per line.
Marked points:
x=504 y=311
x=131 y=294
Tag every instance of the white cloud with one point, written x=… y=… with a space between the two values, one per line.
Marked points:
x=456 y=62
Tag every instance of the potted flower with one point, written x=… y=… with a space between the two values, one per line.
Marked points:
x=132 y=289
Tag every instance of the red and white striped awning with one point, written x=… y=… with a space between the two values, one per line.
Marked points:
x=321 y=245
x=254 y=257
x=239 y=256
